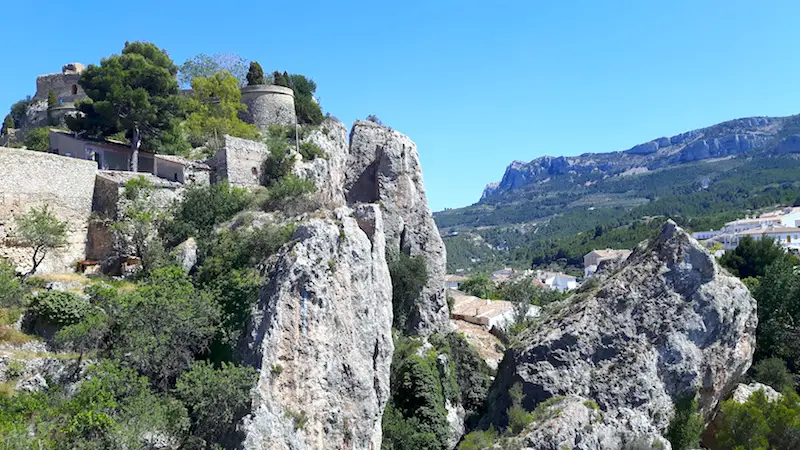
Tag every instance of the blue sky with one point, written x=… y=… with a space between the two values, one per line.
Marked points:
x=475 y=84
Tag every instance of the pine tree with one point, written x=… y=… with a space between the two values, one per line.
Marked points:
x=8 y=123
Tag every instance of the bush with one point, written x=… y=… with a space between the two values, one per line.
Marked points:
x=215 y=398
x=479 y=440
x=279 y=161
x=473 y=376
x=59 y=307
x=10 y=286
x=518 y=417
x=773 y=373
x=759 y=424
x=201 y=209
x=311 y=151
x=38 y=139
x=409 y=275
x=8 y=123
x=288 y=189
x=686 y=426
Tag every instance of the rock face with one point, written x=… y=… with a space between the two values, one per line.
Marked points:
x=384 y=168
x=321 y=338
x=327 y=173
x=668 y=323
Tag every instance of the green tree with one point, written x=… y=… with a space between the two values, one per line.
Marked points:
x=8 y=123
x=38 y=139
x=52 y=99
x=215 y=106
x=215 y=398
x=773 y=373
x=40 y=230
x=686 y=425
x=134 y=92
x=19 y=110
x=751 y=257
x=59 y=307
x=207 y=66
x=409 y=275
x=255 y=75
x=164 y=324
x=778 y=297
x=306 y=107
x=479 y=285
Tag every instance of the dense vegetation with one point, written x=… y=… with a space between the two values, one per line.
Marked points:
x=559 y=221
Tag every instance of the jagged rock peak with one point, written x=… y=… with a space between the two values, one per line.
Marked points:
x=384 y=168
x=668 y=323
x=321 y=338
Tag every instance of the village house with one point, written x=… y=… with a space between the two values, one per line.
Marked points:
x=454 y=281
x=488 y=313
x=592 y=260
x=561 y=282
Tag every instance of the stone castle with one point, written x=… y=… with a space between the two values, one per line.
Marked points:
x=266 y=104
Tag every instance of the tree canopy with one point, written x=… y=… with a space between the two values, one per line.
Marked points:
x=206 y=66
x=134 y=92
x=215 y=106
x=751 y=258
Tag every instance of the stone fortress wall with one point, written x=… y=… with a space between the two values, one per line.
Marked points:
x=64 y=84
x=32 y=179
x=268 y=104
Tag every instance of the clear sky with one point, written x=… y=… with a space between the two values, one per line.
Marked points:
x=476 y=84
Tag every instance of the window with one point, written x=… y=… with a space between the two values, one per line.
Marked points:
x=74 y=89
x=255 y=171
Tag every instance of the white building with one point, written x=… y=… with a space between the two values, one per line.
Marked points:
x=561 y=282
x=489 y=313
x=788 y=237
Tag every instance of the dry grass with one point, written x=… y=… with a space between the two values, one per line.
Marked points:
x=66 y=278
x=9 y=335
x=7 y=388
x=9 y=316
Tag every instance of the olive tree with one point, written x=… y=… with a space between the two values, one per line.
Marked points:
x=40 y=230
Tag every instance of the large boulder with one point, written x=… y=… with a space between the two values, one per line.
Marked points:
x=384 y=168
x=321 y=338
x=667 y=324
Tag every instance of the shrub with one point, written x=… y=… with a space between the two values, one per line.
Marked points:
x=373 y=118
x=287 y=189
x=38 y=139
x=18 y=111
x=59 y=307
x=409 y=275
x=311 y=151
x=473 y=376
x=686 y=425
x=278 y=163
x=479 y=440
x=201 y=209
x=215 y=398
x=773 y=373
x=255 y=75
x=518 y=417
x=759 y=423
x=8 y=123
x=10 y=286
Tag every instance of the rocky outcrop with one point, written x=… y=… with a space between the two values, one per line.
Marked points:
x=667 y=324
x=384 y=168
x=327 y=173
x=321 y=338
x=741 y=394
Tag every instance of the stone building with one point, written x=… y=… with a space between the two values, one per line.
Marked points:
x=239 y=162
x=64 y=84
x=268 y=104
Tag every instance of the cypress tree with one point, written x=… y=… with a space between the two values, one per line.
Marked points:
x=255 y=75
x=52 y=100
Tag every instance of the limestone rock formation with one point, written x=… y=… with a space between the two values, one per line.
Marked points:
x=327 y=173
x=668 y=323
x=384 y=168
x=321 y=338
x=743 y=392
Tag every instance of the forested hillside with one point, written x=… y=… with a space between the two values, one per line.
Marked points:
x=561 y=216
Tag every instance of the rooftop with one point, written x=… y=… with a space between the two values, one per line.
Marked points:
x=468 y=305
x=771 y=230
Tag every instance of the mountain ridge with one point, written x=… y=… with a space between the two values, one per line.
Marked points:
x=723 y=139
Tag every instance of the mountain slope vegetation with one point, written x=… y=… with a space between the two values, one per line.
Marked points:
x=544 y=212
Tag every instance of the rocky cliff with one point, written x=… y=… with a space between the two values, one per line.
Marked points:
x=769 y=134
x=321 y=338
x=384 y=168
x=668 y=323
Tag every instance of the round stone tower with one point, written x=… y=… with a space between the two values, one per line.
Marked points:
x=268 y=104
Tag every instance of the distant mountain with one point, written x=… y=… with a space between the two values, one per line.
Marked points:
x=724 y=139
x=545 y=210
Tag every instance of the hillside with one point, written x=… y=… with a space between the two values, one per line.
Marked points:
x=554 y=209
